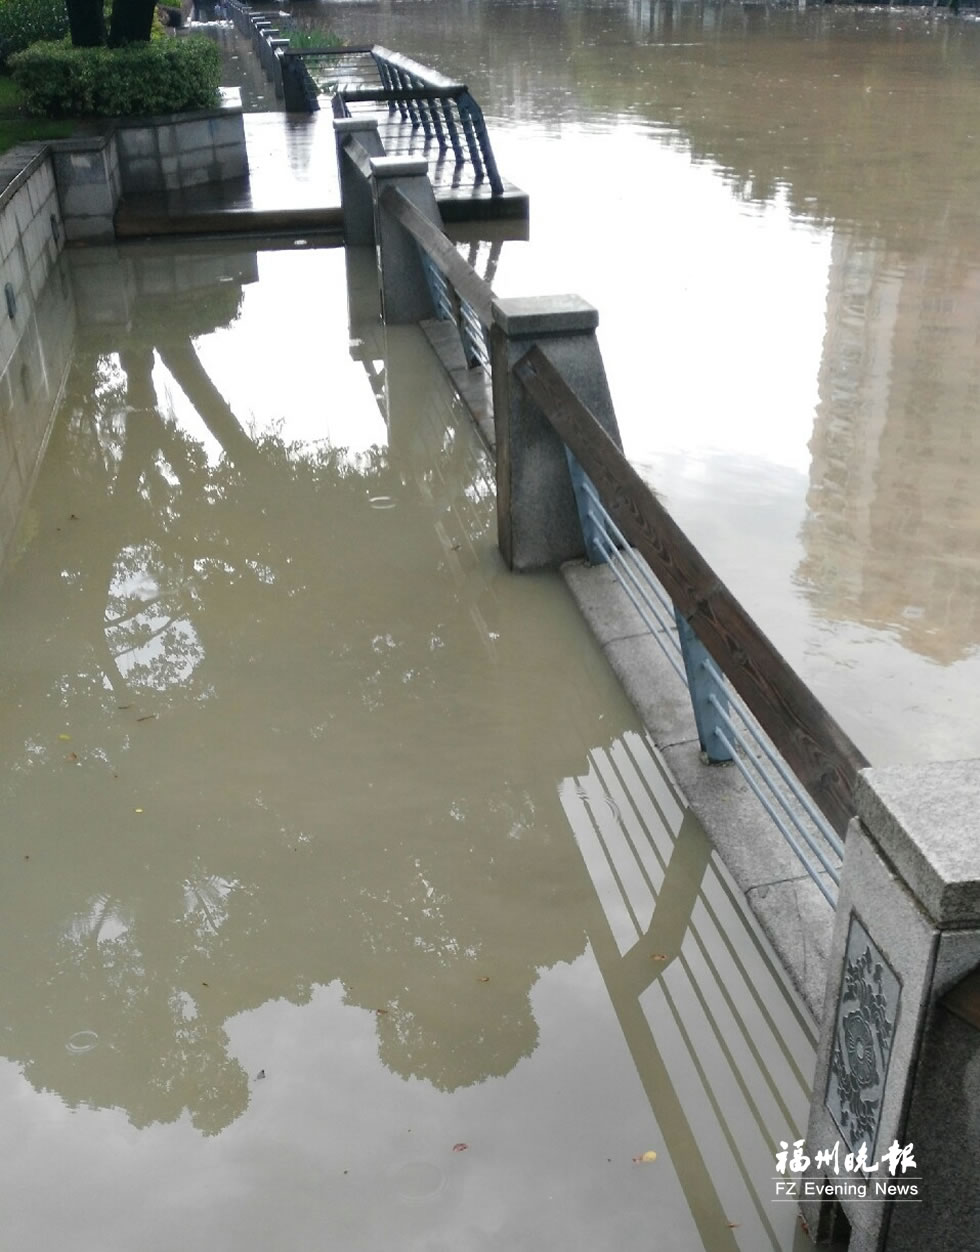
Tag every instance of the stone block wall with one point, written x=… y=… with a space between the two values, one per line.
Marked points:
x=88 y=177
x=182 y=150
x=36 y=326
x=148 y=155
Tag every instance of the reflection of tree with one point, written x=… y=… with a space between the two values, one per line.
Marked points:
x=233 y=819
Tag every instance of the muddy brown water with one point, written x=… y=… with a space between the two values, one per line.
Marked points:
x=344 y=903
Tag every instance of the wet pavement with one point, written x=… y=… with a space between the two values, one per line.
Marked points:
x=344 y=901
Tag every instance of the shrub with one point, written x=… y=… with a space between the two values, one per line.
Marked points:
x=162 y=76
x=23 y=22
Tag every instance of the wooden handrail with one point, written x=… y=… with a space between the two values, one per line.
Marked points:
x=811 y=742
x=468 y=284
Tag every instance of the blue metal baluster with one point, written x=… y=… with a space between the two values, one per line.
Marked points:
x=422 y=105
x=466 y=119
x=389 y=84
x=702 y=685
x=437 y=123
x=483 y=139
x=580 y=484
x=452 y=128
x=405 y=85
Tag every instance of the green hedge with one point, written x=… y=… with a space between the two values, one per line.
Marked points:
x=23 y=22
x=163 y=76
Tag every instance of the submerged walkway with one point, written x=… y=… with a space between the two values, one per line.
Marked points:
x=292 y=185
x=350 y=906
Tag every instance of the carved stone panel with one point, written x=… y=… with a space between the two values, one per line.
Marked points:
x=867 y=1012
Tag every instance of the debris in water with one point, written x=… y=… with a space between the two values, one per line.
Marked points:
x=484 y=978
x=460 y=1147
x=65 y=737
x=147 y=717
x=260 y=1074
x=645 y=1158
x=658 y=956
x=380 y=1011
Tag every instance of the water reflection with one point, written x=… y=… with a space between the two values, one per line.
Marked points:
x=201 y=720
x=298 y=934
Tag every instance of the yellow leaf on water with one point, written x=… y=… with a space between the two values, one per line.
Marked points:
x=645 y=1158
x=64 y=736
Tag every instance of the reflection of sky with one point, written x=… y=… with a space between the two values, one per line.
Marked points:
x=711 y=307
x=273 y=373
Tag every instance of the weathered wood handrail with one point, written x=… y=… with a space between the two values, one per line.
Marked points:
x=812 y=743
x=467 y=283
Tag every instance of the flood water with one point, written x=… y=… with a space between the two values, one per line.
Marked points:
x=775 y=212
x=344 y=904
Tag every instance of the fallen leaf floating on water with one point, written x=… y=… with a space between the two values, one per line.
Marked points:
x=260 y=1074
x=380 y=1011
x=64 y=737
x=658 y=956
x=644 y=1158
x=72 y=756
x=147 y=717
x=485 y=978
x=460 y=1147
x=734 y=1225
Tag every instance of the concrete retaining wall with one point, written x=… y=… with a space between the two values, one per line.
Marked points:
x=146 y=155
x=37 y=323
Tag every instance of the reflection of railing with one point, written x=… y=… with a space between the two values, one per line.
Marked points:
x=723 y=1051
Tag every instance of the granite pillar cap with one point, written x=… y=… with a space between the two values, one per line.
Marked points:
x=926 y=820
x=399 y=167
x=348 y=125
x=544 y=315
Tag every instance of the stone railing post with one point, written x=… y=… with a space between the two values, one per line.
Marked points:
x=898 y=1066
x=356 y=197
x=537 y=519
x=405 y=293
